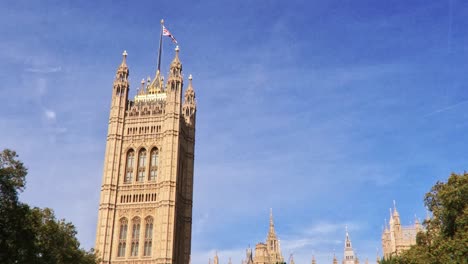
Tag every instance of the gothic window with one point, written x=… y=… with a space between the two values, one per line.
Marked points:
x=122 y=237
x=148 y=236
x=129 y=167
x=135 y=236
x=154 y=164
x=141 y=165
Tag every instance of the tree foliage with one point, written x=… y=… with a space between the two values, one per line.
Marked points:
x=32 y=235
x=445 y=240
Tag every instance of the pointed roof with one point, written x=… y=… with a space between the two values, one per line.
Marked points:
x=124 y=59
x=176 y=60
x=347 y=240
x=272 y=225
x=395 y=212
x=313 y=260
x=335 y=261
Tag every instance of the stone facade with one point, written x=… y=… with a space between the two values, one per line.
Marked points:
x=145 y=210
x=349 y=257
x=397 y=238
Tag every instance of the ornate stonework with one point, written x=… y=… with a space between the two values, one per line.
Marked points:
x=145 y=210
x=397 y=238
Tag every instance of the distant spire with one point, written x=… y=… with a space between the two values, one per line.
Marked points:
x=313 y=260
x=124 y=58
x=291 y=259
x=395 y=212
x=216 y=259
x=272 y=225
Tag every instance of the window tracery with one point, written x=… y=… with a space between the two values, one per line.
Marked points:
x=135 y=237
x=141 y=165
x=122 y=237
x=129 y=166
x=148 y=236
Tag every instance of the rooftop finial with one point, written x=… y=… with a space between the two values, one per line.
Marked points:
x=177 y=48
x=124 y=59
x=190 y=77
x=162 y=21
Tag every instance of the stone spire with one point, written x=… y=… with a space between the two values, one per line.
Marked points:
x=216 y=259
x=176 y=65
x=395 y=212
x=335 y=261
x=189 y=107
x=291 y=259
x=313 y=260
x=122 y=71
x=248 y=257
x=349 y=257
x=121 y=83
x=271 y=231
x=273 y=243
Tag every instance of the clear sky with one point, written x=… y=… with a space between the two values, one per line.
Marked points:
x=324 y=110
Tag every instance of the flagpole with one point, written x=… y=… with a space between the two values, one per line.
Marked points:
x=160 y=46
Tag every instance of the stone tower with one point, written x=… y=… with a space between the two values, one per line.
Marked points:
x=145 y=210
x=349 y=256
x=273 y=244
x=397 y=238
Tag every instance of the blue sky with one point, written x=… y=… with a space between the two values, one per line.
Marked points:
x=325 y=111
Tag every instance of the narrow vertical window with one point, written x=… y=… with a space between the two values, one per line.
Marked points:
x=154 y=164
x=122 y=237
x=148 y=236
x=135 y=236
x=129 y=166
x=141 y=165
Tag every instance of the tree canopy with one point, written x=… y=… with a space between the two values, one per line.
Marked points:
x=445 y=240
x=32 y=235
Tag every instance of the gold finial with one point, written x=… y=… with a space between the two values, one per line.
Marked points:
x=190 y=77
x=177 y=48
x=162 y=21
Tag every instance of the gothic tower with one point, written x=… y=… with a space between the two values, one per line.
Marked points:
x=349 y=257
x=273 y=244
x=145 y=210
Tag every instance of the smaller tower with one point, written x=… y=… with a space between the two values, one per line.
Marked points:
x=335 y=260
x=189 y=107
x=216 y=259
x=272 y=241
x=313 y=260
x=349 y=256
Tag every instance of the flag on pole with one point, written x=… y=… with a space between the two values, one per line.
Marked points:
x=167 y=33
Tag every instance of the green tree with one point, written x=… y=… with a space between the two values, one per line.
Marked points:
x=32 y=235
x=445 y=240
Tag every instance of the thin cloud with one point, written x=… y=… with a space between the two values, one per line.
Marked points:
x=44 y=69
x=444 y=109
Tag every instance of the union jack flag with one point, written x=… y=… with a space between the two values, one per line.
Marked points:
x=167 y=33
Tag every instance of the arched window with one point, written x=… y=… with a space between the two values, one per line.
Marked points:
x=129 y=166
x=122 y=237
x=141 y=165
x=148 y=236
x=154 y=164
x=135 y=236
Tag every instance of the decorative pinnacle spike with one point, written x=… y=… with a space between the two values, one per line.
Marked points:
x=177 y=48
x=190 y=77
x=162 y=21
